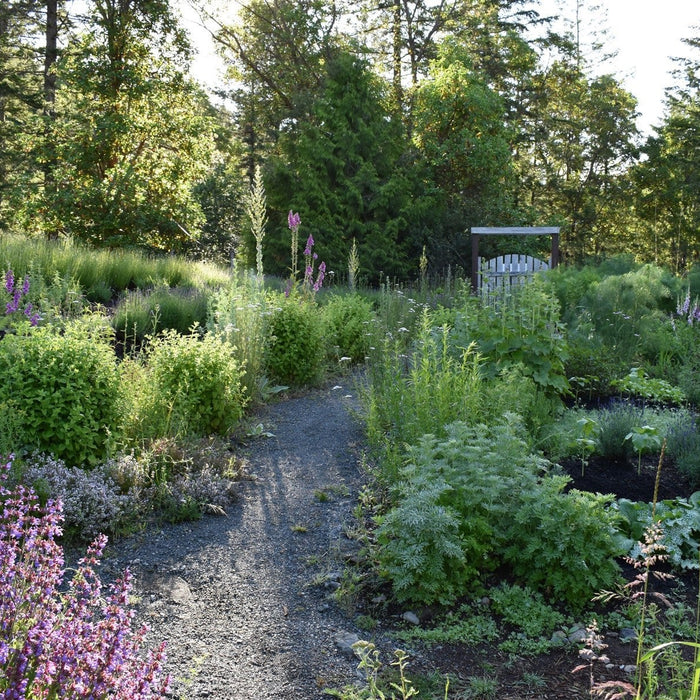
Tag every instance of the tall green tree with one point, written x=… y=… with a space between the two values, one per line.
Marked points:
x=342 y=169
x=459 y=129
x=582 y=138
x=21 y=102
x=130 y=135
x=668 y=179
x=276 y=53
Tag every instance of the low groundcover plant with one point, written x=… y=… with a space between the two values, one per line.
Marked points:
x=56 y=640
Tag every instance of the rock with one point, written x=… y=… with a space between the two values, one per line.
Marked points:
x=559 y=638
x=176 y=589
x=578 y=635
x=411 y=618
x=344 y=641
x=628 y=634
x=630 y=669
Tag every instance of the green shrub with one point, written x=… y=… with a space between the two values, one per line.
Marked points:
x=295 y=352
x=65 y=390
x=238 y=313
x=478 y=499
x=564 y=543
x=453 y=497
x=192 y=386
x=616 y=422
x=522 y=329
x=627 y=310
x=683 y=446
x=347 y=321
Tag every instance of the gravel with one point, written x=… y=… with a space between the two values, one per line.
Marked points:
x=245 y=600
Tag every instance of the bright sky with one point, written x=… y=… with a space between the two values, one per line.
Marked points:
x=646 y=34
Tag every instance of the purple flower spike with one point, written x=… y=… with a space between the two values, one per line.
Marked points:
x=294 y=220
x=309 y=245
x=9 y=281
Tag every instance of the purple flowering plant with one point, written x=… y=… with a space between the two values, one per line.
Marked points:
x=294 y=221
x=64 y=641
x=16 y=290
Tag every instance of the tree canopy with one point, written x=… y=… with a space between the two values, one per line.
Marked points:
x=395 y=125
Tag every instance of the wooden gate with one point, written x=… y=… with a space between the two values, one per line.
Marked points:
x=506 y=271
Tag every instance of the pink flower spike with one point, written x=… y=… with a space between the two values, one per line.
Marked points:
x=294 y=220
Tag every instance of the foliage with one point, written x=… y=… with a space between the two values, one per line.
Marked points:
x=444 y=533
x=458 y=128
x=140 y=314
x=133 y=137
x=683 y=445
x=294 y=347
x=528 y=614
x=342 y=163
x=565 y=543
x=64 y=387
x=616 y=422
x=92 y=503
x=347 y=318
x=679 y=521
x=192 y=386
x=637 y=383
x=239 y=314
x=523 y=330
x=101 y=275
x=64 y=638
x=468 y=624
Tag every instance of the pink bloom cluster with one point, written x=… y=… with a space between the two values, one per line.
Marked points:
x=79 y=643
x=311 y=258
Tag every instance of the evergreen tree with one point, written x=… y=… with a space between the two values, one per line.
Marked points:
x=342 y=170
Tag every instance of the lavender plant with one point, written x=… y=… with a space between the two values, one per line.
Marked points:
x=77 y=643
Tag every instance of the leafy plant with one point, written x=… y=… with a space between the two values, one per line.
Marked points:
x=683 y=445
x=294 y=348
x=347 y=321
x=563 y=542
x=64 y=389
x=445 y=533
x=192 y=386
x=616 y=422
x=644 y=439
x=523 y=329
x=638 y=383
x=679 y=521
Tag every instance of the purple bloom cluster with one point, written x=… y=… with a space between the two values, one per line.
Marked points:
x=294 y=220
x=691 y=313
x=311 y=258
x=16 y=292
x=79 y=643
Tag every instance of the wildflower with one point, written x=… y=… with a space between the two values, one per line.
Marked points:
x=9 y=281
x=309 y=245
x=321 y=276
x=294 y=220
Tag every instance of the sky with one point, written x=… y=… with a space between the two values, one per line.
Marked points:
x=645 y=33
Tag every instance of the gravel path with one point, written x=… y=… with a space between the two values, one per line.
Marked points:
x=244 y=600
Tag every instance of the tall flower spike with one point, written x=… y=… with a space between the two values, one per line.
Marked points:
x=294 y=220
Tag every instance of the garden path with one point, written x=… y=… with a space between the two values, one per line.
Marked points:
x=245 y=600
